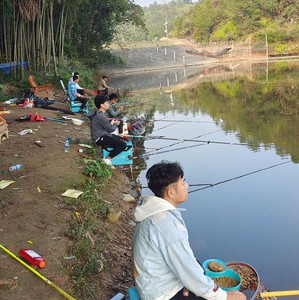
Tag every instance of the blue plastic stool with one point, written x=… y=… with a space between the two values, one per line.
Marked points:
x=133 y=293
x=123 y=158
x=75 y=106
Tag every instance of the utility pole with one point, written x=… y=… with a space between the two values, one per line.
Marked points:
x=267 y=50
x=267 y=58
x=165 y=14
x=165 y=24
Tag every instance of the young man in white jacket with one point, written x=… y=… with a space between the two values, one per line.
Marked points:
x=164 y=264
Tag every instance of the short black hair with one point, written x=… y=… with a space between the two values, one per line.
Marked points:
x=100 y=99
x=161 y=175
x=76 y=74
x=75 y=77
x=113 y=96
x=104 y=76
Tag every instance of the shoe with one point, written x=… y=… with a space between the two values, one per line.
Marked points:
x=108 y=162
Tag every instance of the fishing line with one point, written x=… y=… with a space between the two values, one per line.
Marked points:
x=171 y=150
x=237 y=177
x=180 y=142
x=184 y=121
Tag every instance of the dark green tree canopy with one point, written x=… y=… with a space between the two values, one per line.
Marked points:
x=44 y=31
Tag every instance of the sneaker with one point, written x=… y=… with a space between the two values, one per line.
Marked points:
x=108 y=162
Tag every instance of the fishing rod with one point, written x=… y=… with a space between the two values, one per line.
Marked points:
x=183 y=121
x=171 y=150
x=159 y=105
x=172 y=124
x=180 y=142
x=198 y=184
x=162 y=137
x=62 y=292
x=237 y=177
x=267 y=295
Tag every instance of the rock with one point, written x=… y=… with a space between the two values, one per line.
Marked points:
x=113 y=216
x=128 y=198
x=132 y=223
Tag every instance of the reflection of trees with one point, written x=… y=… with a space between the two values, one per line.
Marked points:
x=263 y=113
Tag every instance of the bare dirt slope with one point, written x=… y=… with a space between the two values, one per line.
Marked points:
x=33 y=214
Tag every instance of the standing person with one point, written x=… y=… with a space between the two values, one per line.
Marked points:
x=102 y=128
x=74 y=95
x=164 y=264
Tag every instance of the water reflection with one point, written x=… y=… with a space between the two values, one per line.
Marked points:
x=252 y=218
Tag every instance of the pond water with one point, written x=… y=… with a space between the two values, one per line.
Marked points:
x=248 y=124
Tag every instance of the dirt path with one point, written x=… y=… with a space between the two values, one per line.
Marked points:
x=33 y=214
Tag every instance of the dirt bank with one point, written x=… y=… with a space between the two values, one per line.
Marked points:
x=33 y=214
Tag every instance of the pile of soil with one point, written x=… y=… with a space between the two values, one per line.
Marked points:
x=33 y=214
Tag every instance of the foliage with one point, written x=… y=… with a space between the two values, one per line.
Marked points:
x=155 y=17
x=95 y=24
x=90 y=210
x=262 y=110
x=227 y=32
x=214 y=20
x=43 y=32
x=97 y=169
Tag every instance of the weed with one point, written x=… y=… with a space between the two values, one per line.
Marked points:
x=90 y=210
x=97 y=169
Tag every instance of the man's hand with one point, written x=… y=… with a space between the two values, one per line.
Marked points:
x=114 y=121
x=235 y=295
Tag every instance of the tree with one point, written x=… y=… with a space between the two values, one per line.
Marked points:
x=39 y=31
x=96 y=23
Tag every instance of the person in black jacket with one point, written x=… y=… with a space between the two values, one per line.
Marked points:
x=102 y=129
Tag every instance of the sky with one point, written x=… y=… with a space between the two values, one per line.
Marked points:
x=147 y=2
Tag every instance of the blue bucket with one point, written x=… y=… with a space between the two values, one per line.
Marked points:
x=231 y=274
x=208 y=272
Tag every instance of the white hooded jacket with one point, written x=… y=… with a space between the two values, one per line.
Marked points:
x=163 y=258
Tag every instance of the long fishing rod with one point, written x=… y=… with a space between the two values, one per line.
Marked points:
x=162 y=137
x=183 y=121
x=237 y=177
x=160 y=105
x=198 y=184
x=171 y=150
x=172 y=124
x=62 y=292
x=180 y=142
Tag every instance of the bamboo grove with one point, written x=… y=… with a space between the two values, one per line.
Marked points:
x=43 y=32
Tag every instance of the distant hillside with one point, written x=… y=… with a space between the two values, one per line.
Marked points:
x=155 y=17
x=216 y=20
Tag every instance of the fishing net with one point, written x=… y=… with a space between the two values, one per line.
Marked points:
x=251 y=285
